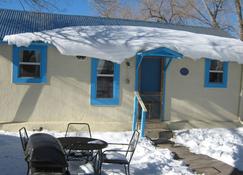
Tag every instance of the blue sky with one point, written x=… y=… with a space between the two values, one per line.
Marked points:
x=75 y=7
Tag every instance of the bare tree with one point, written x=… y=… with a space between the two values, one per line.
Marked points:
x=116 y=9
x=212 y=13
x=37 y=5
x=106 y=8
x=162 y=11
x=238 y=8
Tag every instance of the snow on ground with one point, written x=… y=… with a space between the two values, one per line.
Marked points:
x=147 y=160
x=223 y=144
x=115 y=43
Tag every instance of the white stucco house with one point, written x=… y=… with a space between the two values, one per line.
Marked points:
x=111 y=73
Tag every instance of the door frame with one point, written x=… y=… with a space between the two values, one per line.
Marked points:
x=164 y=53
x=160 y=92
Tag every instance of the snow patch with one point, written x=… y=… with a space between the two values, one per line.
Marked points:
x=223 y=144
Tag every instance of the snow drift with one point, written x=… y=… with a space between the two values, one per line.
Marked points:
x=116 y=43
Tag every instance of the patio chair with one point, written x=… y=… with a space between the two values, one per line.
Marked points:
x=121 y=157
x=24 y=138
x=78 y=130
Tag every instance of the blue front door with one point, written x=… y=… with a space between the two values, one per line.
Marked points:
x=150 y=88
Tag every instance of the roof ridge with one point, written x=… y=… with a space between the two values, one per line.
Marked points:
x=113 y=19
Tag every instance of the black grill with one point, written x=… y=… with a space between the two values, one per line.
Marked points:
x=45 y=154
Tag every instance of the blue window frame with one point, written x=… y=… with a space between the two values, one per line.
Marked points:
x=29 y=63
x=216 y=74
x=105 y=82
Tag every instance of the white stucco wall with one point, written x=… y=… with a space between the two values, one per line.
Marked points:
x=66 y=95
x=188 y=99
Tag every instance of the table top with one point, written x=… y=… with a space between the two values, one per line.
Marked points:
x=82 y=143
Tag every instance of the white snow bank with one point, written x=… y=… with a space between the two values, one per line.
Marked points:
x=116 y=43
x=147 y=158
x=223 y=144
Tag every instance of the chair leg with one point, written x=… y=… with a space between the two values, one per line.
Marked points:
x=28 y=169
x=125 y=166
x=128 y=168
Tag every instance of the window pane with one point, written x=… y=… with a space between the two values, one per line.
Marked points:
x=216 y=65
x=29 y=71
x=29 y=56
x=104 y=87
x=105 y=67
x=216 y=77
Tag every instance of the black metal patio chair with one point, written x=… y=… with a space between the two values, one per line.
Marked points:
x=24 y=138
x=78 y=130
x=119 y=156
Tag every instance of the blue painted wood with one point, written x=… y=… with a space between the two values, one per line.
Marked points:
x=160 y=52
x=135 y=112
x=43 y=61
x=139 y=58
x=143 y=122
x=116 y=86
x=166 y=66
x=163 y=52
x=150 y=75
x=208 y=84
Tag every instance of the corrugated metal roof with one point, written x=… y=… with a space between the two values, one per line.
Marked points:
x=15 y=21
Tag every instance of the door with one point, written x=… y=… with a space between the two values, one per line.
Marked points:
x=151 y=85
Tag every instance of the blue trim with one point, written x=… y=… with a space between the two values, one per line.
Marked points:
x=208 y=84
x=139 y=59
x=43 y=64
x=162 y=51
x=166 y=66
x=116 y=86
x=135 y=113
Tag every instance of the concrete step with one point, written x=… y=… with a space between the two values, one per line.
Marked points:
x=159 y=133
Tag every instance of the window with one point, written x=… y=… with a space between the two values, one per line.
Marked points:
x=29 y=64
x=104 y=82
x=215 y=74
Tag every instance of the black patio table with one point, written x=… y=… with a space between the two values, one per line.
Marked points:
x=85 y=143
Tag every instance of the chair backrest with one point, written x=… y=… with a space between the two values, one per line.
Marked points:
x=132 y=145
x=78 y=130
x=23 y=137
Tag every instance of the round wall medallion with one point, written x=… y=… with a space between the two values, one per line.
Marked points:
x=184 y=71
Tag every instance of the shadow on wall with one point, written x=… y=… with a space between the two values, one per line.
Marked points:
x=28 y=103
x=69 y=73
x=194 y=109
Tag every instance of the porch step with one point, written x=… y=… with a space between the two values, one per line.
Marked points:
x=159 y=136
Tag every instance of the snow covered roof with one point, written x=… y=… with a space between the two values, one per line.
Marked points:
x=14 y=21
x=115 y=43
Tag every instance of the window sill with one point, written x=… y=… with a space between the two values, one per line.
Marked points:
x=212 y=85
x=105 y=102
x=30 y=80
